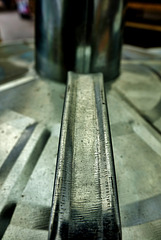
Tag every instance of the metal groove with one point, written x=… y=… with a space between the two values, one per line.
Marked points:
x=85 y=203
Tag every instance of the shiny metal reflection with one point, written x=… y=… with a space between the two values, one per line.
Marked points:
x=85 y=203
x=82 y=36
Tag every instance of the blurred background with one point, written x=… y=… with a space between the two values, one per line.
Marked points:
x=16 y=20
x=142 y=21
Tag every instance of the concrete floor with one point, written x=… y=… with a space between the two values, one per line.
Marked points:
x=13 y=27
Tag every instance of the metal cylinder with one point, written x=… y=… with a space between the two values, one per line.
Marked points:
x=82 y=36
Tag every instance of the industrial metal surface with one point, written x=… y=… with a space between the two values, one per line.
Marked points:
x=85 y=202
x=27 y=186
x=82 y=36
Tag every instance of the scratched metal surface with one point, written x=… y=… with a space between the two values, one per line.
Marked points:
x=85 y=202
x=134 y=112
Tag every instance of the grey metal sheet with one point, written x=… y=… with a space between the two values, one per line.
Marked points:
x=140 y=85
x=20 y=161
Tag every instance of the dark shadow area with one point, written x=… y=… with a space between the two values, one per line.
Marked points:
x=142 y=212
x=142 y=38
x=15 y=153
x=5 y=218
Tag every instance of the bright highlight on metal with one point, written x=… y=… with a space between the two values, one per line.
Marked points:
x=85 y=204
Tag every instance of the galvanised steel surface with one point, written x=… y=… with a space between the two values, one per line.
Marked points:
x=82 y=36
x=85 y=203
x=135 y=121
